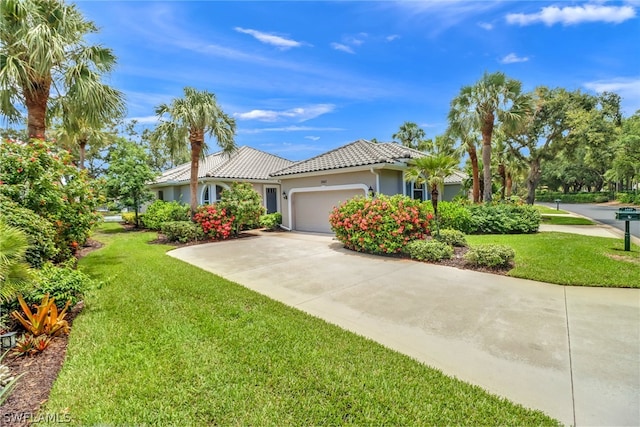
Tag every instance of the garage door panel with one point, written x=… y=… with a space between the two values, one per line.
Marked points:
x=312 y=209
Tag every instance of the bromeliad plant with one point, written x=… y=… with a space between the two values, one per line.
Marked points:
x=29 y=345
x=381 y=225
x=46 y=320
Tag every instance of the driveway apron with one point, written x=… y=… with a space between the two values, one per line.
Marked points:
x=572 y=352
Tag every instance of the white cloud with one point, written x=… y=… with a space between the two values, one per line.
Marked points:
x=300 y=114
x=392 y=37
x=289 y=129
x=144 y=119
x=342 y=47
x=485 y=26
x=313 y=138
x=571 y=15
x=627 y=87
x=513 y=58
x=272 y=39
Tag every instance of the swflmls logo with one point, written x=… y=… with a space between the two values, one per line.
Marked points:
x=22 y=417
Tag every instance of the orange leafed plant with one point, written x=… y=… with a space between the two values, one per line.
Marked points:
x=46 y=320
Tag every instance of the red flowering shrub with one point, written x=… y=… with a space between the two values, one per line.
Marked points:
x=382 y=225
x=214 y=221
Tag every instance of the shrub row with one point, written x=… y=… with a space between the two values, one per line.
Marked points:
x=628 y=198
x=490 y=218
x=552 y=196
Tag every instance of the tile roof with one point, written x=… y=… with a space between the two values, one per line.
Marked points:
x=357 y=153
x=456 y=178
x=244 y=163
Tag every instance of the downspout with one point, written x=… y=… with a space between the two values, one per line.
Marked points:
x=377 y=180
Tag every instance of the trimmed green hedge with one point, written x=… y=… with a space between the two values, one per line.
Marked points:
x=572 y=197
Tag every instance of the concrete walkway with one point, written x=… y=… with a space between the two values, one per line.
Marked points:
x=573 y=352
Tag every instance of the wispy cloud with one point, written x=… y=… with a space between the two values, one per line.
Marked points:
x=392 y=37
x=512 y=58
x=627 y=87
x=313 y=138
x=444 y=14
x=144 y=120
x=269 y=38
x=572 y=15
x=290 y=129
x=299 y=114
x=485 y=26
x=342 y=47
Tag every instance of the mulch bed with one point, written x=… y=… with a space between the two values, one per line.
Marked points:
x=41 y=370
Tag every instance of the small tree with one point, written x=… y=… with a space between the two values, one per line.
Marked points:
x=432 y=170
x=128 y=175
x=244 y=203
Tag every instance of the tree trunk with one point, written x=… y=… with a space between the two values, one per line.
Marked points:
x=434 y=203
x=487 y=133
x=36 y=97
x=196 y=138
x=473 y=156
x=532 y=180
x=509 y=184
x=83 y=150
x=502 y=171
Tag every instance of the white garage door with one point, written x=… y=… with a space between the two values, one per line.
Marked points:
x=311 y=210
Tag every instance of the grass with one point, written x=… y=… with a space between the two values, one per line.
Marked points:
x=565 y=220
x=570 y=259
x=165 y=343
x=547 y=210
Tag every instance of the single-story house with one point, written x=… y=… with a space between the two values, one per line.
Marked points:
x=217 y=171
x=305 y=192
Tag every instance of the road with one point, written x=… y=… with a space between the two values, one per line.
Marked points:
x=601 y=213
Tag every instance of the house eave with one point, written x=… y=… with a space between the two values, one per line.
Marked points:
x=349 y=169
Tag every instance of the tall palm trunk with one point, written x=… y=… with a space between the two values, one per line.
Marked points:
x=487 y=133
x=509 y=184
x=82 y=143
x=196 y=138
x=434 y=200
x=36 y=97
x=502 y=171
x=473 y=156
x=533 y=178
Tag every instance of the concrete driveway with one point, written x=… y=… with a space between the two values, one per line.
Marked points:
x=573 y=352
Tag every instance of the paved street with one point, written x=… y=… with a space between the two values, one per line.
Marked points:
x=602 y=213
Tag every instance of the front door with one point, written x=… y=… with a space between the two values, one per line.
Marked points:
x=272 y=200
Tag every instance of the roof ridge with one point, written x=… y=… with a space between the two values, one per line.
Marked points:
x=300 y=162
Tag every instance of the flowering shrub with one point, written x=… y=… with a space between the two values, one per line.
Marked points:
x=244 y=204
x=214 y=221
x=382 y=225
x=42 y=178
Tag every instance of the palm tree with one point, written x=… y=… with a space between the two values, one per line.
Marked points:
x=432 y=170
x=44 y=54
x=15 y=274
x=191 y=118
x=410 y=135
x=495 y=97
x=461 y=127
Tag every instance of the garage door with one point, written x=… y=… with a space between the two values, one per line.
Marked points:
x=311 y=210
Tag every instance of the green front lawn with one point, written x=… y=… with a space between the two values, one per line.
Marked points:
x=570 y=259
x=565 y=220
x=165 y=343
x=548 y=210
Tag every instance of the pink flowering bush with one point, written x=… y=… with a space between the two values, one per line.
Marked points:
x=381 y=225
x=215 y=221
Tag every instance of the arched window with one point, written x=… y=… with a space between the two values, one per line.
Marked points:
x=206 y=196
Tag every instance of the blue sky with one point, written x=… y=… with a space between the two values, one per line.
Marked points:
x=304 y=77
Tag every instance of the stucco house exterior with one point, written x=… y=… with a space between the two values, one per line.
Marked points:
x=305 y=192
x=313 y=187
x=217 y=171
